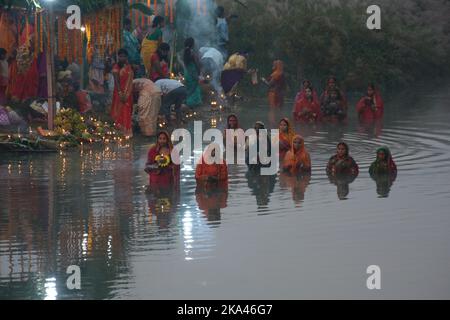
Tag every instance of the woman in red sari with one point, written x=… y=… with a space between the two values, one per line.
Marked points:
x=163 y=172
x=302 y=93
x=287 y=133
x=277 y=85
x=297 y=160
x=370 y=107
x=122 y=104
x=212 y=170
x=307 y=109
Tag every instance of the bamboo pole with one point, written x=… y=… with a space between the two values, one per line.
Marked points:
x=51 y=69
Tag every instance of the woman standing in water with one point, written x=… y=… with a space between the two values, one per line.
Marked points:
x=333 y=107
x=277 y=85
x=212 y=170
x=302 y=93
x=163 y=172
x=151 y=42
x=370 y=107
x=384 y=164
x=287 y=133
x=307 y=109
x=122 y=104
x=191 y=74
x=297 y=160
x=342 y=163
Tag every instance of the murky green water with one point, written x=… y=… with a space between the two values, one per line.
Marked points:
x=268 y=238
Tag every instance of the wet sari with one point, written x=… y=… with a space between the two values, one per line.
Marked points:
x=286 y=138
x=209 y=174
x=307 y=110
x=370 y=109
x=387 y=166
x=345 y=165
x=163 y=177
x=277 y=86
x=302 y=95
x=121 y=111
x=297 y=161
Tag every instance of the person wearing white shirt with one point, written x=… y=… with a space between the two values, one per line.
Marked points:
x=173 y=93
x=212 y=63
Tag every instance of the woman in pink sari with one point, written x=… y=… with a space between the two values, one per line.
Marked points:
x=122 y=105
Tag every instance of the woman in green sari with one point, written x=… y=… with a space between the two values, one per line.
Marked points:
x=191 y=74
x=384 y=164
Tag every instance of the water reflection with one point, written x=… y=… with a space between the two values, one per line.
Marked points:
x=211 y=201
x=262 y=186
x=342 y=182
x=384 y=183
x=163 y=204
x=297 y=184
x=89 y=208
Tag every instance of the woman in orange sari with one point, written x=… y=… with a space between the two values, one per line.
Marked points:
x=122 y=104
x=287 y=133
x=277 y=85
x=212 y=170
x=297 y=160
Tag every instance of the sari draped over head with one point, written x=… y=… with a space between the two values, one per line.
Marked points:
x=297 y=161
x=387 y=166
x=168 y=176
x=286 y=138
x=370 y=109
x=301 y=94
x=149 y=47
x=277 y=85
x=121 y=111
x=345 y=165
x=212 y=172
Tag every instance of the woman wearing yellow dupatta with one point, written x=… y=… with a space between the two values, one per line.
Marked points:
x=287 y=133
x=297 y=160
x=151 y=42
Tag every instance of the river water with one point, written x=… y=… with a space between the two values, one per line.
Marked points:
x=268 y=238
